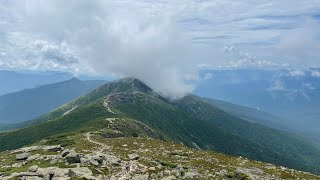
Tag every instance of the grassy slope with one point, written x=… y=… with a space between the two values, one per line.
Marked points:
x=250 y=114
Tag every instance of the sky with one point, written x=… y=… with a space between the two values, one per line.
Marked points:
x=165 y=43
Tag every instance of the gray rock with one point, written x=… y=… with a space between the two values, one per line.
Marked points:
x=33 y=157
x=31 y=178
x=52 y=148
x=94 y=162
x=153 y=163
x=73 y=157
x=33 y=168
x=22 y=156
x=97 y=158
x=112 y=159
x=54 y=161
x=21 y=174
x=18 y=164
x=80 y=172
x=65 y=152
x=169 y=178
x=190 y=175
x=84 y=160
x=133 y=156
x=141 y=177
x=52 y=172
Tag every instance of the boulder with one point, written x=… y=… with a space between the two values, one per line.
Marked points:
x=133 y=156
x=31 y=178
x=141 y=177
x=33 y=157
x=97 y=158
x=52 y=172
x=54 y=148
x=33 y=168
x=22 y=156
x=18 y=164
x=73 y=157
x=169 y=178
x=79 y=172
x=112 y=159
x=65 y=152
x=21 y=174
x=190 y=175
x=94 y=162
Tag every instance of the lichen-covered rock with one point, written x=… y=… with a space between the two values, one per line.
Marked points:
x=33 y=157
x=133 y=156
x=22 y=156
x=79 y=172
x=53 y=148
x=65 y=152
x=73 y=157
x=33 y=168
x=112 y=159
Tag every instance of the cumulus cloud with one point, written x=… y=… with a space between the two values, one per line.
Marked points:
x=315 y=73
x=296 y=73
x=164 y=43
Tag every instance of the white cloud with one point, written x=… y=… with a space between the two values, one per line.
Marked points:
x=207 y=76
x=296 y=73
x=315 y=73
x=164 y=43
x=277 y=85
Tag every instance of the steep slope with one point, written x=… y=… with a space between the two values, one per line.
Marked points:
x=250 y=114
x=190 y=121
x=31 y=103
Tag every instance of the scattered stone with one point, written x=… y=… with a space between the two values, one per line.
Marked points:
x=55 y=148
x=84 y=160
x=33 y=168
x=18 y=164
x=52 y=172
x=33 y=157
x=73 y=157
x=153 y=163
x=94 y=162
x=21 y=174
x=65 y=152
x=80 y=172
x=141 y=177
x=133 y=156
x=31 y=178
x=112 y=159
x=22 y=156
x=169 y=178
x=190 y=175
x=54 y=161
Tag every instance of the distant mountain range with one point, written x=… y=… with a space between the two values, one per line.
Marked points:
x=32 y=103
x=192 y=121
x=12 y=81
x=293 y=95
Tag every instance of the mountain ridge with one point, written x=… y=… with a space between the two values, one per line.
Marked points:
x=190 y=121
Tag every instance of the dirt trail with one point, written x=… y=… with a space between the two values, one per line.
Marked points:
x=89 y=139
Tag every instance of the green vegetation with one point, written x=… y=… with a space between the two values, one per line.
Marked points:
x=140 y=112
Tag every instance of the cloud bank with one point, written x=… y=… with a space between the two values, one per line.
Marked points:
x=162 y=43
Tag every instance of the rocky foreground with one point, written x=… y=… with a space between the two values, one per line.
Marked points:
x=90 y=156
